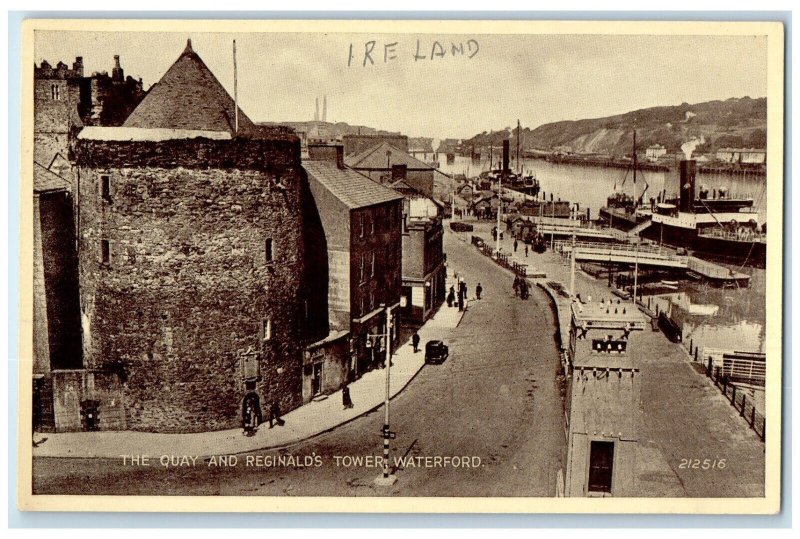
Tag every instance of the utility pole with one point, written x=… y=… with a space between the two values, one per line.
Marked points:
x=553 y=226
x=572 y=268
x=636 y=270
x=453 y=201
x=386 y=479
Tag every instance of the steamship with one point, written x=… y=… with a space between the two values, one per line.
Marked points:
x=715 y=227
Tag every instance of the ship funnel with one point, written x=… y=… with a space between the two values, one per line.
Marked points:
x=687 y=185
x=506 y=152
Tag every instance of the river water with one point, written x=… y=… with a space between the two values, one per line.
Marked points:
x=730 y=319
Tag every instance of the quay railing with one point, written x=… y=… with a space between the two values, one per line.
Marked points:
x=739 y=401
x=645 y=253
x=500 y=258
x=709 y=269
x=725 y=376
x=748 y=235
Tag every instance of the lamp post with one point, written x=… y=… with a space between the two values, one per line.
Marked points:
x=386 y=479
x=499 y=211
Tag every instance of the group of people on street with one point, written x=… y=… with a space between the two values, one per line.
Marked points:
x=521 y=287
x=252 y=417
x=459 y=297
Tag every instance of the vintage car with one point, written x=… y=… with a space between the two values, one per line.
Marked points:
x=436 y=352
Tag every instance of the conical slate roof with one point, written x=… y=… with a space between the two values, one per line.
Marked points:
x=188 y=96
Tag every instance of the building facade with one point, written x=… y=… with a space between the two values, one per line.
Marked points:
x=189 y=257
x=361 y=230
x=65 y=100
x=190 y=274
x=750 y=156
x=385 y=164
x=654 y=152
x=603 y=399
x=424 y=271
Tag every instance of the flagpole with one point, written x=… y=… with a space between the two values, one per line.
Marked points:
x=235 y=92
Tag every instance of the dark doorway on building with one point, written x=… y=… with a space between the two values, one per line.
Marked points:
x=316 y=379
x=254 y=401
x=601 y=466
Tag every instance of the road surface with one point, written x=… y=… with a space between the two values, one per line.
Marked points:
x=496 y=404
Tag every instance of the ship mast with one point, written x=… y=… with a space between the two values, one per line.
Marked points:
x=635 y=202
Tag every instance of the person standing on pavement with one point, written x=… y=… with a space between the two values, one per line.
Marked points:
x=415 y=342
x=347 y=402
x=526 y=250
x=515 y=245
x=275 y=414
x=249 y=420
x=478 y=291
x=451 y=297
x=516 y=285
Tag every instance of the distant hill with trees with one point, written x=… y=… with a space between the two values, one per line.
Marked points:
x=735 y=122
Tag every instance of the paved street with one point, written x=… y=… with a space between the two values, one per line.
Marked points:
x=496 y=400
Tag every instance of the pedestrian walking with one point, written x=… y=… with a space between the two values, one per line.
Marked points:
x=516 y=285
x=478 y=291
x=515 y=245
x=523 y=289
x=415 y=342
x=526 y=250
x=275 y=414
x=347 y=402
x=451 y=297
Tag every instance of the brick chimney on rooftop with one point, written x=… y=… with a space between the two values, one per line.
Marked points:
x=333 y=153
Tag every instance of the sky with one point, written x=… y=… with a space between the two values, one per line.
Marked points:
x=534 y=78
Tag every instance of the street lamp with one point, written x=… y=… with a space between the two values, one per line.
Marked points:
x=387 y=479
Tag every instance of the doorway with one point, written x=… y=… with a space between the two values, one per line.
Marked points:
x=601 y=466
x=316 y=379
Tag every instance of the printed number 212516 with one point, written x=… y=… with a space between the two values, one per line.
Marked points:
x=705 y=464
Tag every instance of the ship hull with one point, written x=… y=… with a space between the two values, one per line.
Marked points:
x=618 y=219
x=725 y=250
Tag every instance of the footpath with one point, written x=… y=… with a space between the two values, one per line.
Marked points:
x=682 y=415
x=307 y=421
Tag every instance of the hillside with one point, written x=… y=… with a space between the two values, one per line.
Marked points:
x=735 y=122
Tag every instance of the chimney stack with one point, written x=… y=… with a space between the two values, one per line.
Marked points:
x=399 y=172
x=332 y=153
x=316 y=109
x=77 y=66
x=687 y=185
x=117 y=73
x=505 y=156
x=324 y=108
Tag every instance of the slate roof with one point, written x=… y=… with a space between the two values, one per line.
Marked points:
x=188 y=96
x=46 y=180
x=375 y=158
x=354 y=190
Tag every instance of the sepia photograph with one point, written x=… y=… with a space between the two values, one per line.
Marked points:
x=462 y=266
